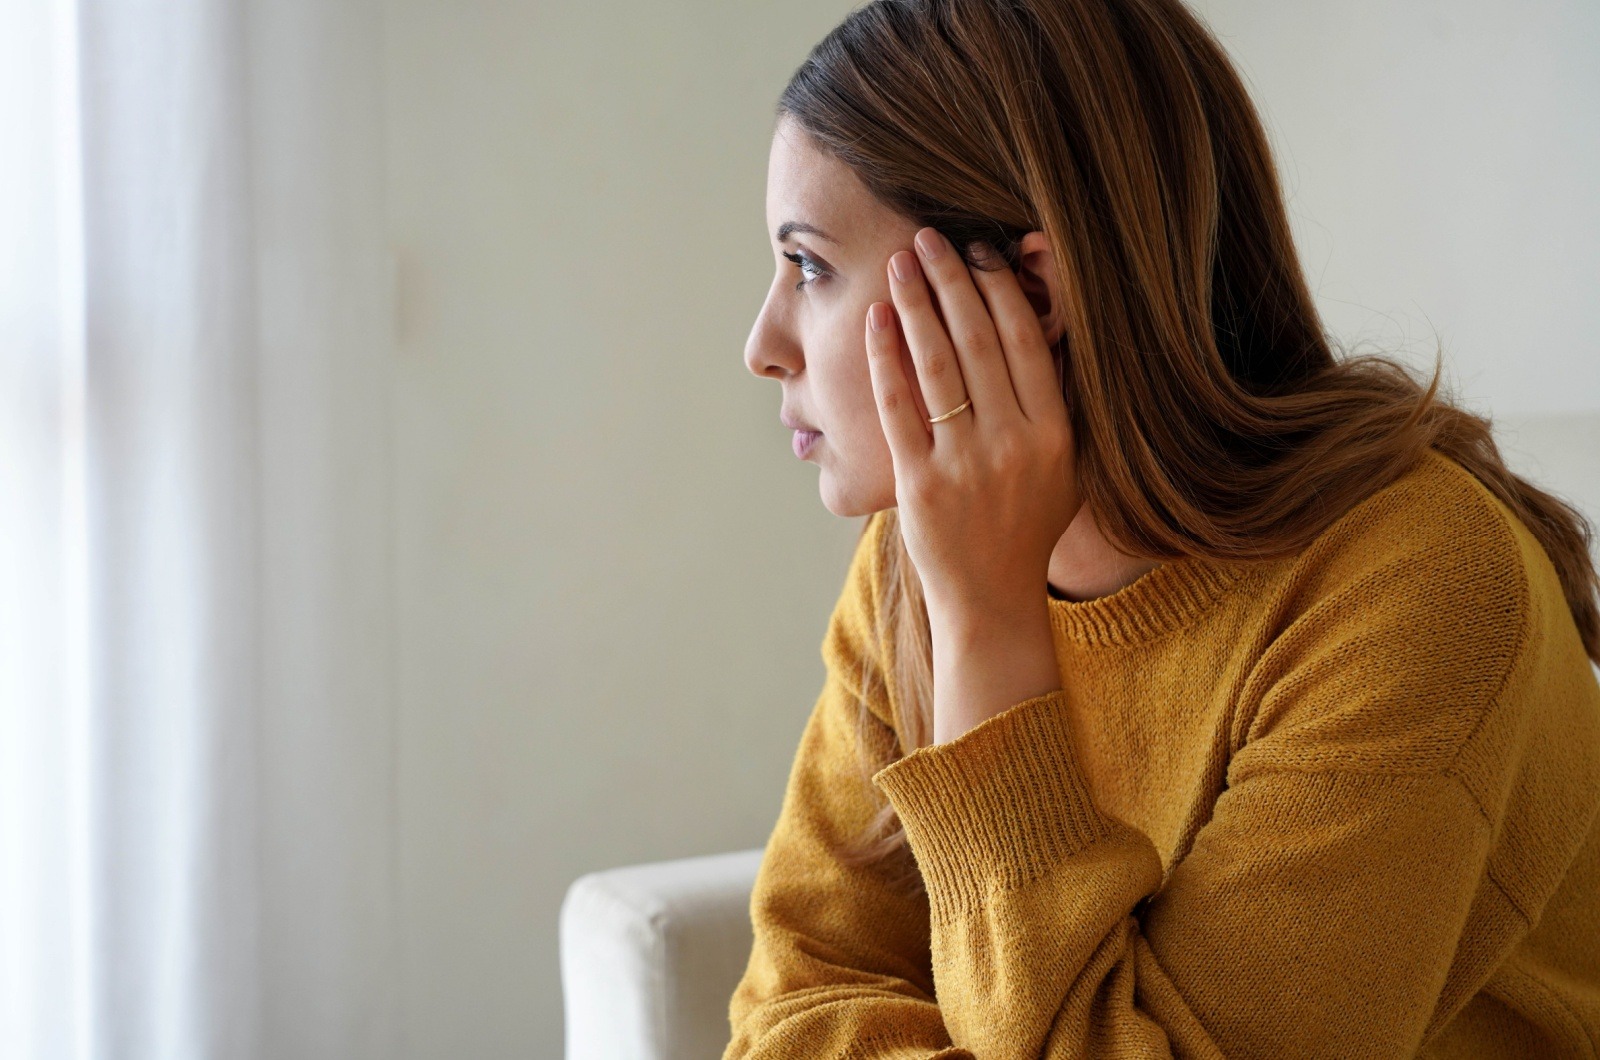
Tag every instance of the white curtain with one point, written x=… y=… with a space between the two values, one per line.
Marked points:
x=196 y=661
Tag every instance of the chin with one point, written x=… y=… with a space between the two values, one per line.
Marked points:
x=851 y=500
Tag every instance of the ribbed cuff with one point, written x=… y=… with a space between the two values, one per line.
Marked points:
x=997 y=806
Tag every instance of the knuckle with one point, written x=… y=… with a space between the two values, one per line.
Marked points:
x=1021 y=333
x=1007 y=447
x=1061 y=439
x=968 y=476
x=1057 y=445
x=972 y=337
x=936 y=365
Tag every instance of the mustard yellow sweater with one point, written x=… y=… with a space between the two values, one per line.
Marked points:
x=1342 y=805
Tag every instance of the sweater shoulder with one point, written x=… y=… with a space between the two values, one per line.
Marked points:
x=1427 y=633
x=1436 y=513
x=1391 y=636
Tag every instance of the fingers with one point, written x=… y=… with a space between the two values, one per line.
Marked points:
x=1030 y=365
x=938 y=367
x=968 y=326
x=902 y=423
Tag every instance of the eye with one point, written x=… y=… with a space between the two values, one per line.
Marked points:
x=805 y=263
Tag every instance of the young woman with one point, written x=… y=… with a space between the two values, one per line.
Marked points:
x=1193 y=691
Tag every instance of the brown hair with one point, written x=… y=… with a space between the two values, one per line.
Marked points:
x=1209 y=412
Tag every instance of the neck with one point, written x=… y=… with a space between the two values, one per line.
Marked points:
x=1084 y=566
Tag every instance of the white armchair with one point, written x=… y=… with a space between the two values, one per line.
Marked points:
x=650 y=954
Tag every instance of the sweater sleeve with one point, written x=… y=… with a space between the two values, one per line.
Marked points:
x=1316 y=914
x=840 y=964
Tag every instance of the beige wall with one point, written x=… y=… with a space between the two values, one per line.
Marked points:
x=613 y=575
x=1439 y=157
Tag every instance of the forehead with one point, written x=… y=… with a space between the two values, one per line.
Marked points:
x=805 y=184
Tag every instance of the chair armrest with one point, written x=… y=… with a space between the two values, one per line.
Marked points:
x=651 y=954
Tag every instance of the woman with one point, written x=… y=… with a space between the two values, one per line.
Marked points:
x=1296 y=751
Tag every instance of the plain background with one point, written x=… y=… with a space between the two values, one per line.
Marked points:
x=611 y=574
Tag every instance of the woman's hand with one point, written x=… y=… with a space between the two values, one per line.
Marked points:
x=985 y=495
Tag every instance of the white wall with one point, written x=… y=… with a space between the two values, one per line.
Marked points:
x=1440 y=160
x=612 y=575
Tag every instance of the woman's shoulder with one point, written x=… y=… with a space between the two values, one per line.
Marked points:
x=1434 y=555
x=1437 y=513
x=1405 y=623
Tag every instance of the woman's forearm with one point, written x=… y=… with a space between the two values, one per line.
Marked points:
x=985 y=664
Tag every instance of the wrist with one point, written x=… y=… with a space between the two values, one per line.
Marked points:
x=983 y=665
x=983 y=628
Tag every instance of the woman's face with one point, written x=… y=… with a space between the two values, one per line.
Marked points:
x=812 y=338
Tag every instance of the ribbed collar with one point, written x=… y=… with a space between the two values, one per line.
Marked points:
x=1158 y=600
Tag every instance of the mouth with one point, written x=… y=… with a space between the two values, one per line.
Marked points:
x=796 y=425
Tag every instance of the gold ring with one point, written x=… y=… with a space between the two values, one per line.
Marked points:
x=953 y=412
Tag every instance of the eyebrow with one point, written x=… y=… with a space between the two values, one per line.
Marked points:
x=788 y=228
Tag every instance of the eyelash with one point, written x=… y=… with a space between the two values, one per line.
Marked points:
x=804 y=263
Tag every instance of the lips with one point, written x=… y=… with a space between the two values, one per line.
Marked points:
x=796 y=425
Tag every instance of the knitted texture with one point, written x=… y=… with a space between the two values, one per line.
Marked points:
x=1343 y=804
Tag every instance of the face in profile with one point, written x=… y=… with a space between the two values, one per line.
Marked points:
x=810 y=335
x=832 y=241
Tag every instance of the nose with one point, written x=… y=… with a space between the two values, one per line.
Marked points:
x=770 y=351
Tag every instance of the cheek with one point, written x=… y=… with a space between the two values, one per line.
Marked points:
x=863 y=444
x=836 y=356
x=852 y=375
x=842 y=378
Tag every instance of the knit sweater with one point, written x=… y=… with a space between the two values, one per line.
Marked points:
x=1343 y=804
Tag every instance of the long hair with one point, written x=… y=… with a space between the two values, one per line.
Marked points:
x=1210 y=414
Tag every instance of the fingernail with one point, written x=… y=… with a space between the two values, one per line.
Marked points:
x=878 y=316
x=904 y=265
x=928 y=242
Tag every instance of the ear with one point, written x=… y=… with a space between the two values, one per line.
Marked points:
x=1041 y=283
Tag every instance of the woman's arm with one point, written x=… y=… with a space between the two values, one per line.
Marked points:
x=1339 y=902
x=840 y=965
x=1317 y=914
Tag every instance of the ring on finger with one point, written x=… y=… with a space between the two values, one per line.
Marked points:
x=958 y=410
